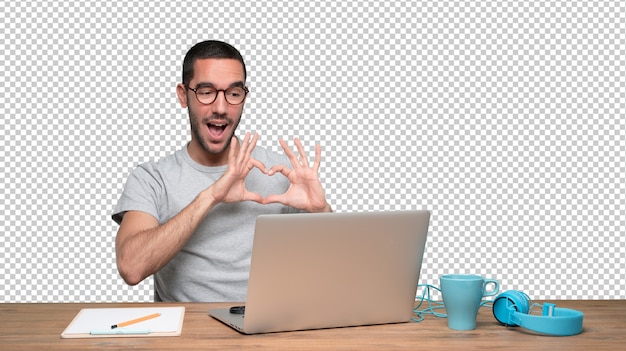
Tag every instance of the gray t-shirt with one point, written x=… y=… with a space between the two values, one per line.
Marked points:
x=214 y=264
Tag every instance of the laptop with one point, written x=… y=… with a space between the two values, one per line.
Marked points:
x=330 y=270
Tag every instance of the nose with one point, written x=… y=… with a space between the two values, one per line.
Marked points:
x=220 y=104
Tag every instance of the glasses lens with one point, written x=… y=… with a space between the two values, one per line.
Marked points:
x=235 y=95
x=206 y=95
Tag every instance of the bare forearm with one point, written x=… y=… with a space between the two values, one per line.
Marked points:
x=141 y=253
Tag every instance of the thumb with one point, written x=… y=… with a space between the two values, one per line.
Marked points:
x=274 y=198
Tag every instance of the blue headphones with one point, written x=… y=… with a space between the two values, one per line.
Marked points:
x=511 y=308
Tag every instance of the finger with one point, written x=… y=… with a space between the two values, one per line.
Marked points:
x=245 y=143
x=250 y=145
x=234 y=157
x=255 y=138
x=250 y=140
x=250 y=196
x=258 y=164
x=276 y=198
x=303 y=159
x=284 y=170
x=318 y=157
x=234 y=150
x=292 y=157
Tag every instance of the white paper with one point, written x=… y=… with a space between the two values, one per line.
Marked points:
x=92 y=319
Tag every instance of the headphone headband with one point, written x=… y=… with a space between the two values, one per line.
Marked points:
x=511 y=309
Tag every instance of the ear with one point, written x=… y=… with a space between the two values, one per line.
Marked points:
x=181 y=92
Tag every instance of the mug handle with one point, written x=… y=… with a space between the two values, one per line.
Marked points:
x=496 y=287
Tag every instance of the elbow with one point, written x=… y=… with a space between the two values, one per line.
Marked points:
x=128 y=263
x=131 y=275
x=131 y=278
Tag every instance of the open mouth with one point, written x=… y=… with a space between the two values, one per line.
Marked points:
x=217 y=128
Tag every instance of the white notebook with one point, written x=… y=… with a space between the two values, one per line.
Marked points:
x=97 y=322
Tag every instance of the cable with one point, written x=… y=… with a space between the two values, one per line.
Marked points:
x=433 y=304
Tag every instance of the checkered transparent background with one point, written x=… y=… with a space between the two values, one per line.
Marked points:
x=506 y=119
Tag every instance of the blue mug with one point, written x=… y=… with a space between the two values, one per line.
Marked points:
x=462 y=295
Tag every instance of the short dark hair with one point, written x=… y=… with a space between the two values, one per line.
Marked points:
x=209 y=49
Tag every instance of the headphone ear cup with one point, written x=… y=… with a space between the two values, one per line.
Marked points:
x=507 y=303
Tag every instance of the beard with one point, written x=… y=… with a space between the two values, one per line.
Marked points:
x=197 y=124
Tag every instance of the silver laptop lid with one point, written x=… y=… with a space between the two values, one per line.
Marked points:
x=311 y=271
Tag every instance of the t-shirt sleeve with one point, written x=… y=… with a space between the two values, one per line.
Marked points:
x=141 y=193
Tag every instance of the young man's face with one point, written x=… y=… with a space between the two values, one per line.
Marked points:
x=212 y=125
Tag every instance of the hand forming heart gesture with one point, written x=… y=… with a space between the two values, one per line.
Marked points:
x=305 y=191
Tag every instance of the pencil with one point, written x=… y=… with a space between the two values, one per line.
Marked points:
x=133 y=321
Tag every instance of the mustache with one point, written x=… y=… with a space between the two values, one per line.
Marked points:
x=217 y=117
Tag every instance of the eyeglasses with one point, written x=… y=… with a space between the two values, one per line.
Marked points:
x=208 y=95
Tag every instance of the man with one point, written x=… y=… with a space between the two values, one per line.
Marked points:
x=188 y=219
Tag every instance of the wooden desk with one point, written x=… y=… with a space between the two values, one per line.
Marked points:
x=38 y=327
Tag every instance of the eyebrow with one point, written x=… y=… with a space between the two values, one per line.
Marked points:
x=209 y=84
